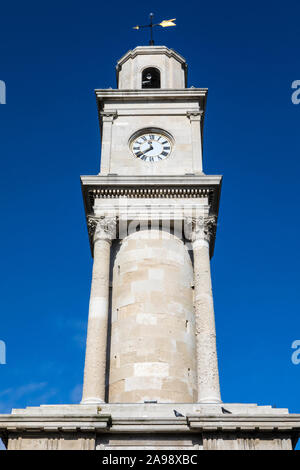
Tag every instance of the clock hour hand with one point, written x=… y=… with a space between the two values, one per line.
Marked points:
x=148 y=150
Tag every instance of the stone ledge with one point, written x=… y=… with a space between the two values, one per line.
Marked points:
x=162 y=94
x=150 y=50
x=190 y=423
x=149 y=410
x=142 y=180
x=63 y=427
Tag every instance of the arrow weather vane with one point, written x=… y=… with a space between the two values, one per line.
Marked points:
x=164 y=24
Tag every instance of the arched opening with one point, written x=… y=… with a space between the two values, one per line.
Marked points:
x=151 y=78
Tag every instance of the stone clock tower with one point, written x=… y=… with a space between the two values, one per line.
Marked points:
x=151 y=375
x=151 y=214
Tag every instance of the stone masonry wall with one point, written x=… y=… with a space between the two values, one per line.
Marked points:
x=152 y=337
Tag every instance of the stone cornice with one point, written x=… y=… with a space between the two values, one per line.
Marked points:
x=244 y=422
x=190 y=423
x=155 y=180
x=135 y=193
x=151 y=94
x=150 y=50
x=186 y=189
x=159 y=97
x=37 y=423
x=168 y=187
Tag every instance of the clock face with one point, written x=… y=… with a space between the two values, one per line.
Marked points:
x=152 y=147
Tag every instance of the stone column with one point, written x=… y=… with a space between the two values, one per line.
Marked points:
x=96 y=344
x=207 y=362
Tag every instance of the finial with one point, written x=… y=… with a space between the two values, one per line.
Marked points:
x=164 y=24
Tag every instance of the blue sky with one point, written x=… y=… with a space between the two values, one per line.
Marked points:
x=53 y=55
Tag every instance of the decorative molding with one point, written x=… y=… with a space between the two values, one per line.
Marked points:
x=195 y=115
x=169 y=192
x=148 y=130
x=200 y=228
x=108 y=116
x=162 y=94
x=113 y=192
x=156 y=50
x=101 y=228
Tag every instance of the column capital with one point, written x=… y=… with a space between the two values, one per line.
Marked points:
x=195 y=115
x=201 y=227
x=109 y=116
x=102 y=228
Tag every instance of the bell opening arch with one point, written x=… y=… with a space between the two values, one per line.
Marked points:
x=151 y=78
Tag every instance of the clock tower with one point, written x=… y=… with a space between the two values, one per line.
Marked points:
x=152 y=124
x=151 y=378
x=152 y=215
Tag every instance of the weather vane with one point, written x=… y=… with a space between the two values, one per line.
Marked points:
x=164 y=24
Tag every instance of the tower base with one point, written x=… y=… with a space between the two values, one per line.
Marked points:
x=231 y=426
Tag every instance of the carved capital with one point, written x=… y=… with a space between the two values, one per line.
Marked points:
x=108 y=116
x=200 y=228
x=102 y=228
x=194 y=115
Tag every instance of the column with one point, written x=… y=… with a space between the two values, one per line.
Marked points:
x=195 y=120
x=96 y=343
x=207 y=361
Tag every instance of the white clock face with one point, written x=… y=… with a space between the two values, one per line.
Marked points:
x=152 y=147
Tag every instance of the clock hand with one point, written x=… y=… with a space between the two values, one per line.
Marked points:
x=148 y=150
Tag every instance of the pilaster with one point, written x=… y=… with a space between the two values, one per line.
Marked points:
x=107 y=119
x=195 y=118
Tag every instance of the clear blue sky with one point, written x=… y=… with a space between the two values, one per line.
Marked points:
x=53 y=55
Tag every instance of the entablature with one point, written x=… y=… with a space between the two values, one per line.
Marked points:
x=151 y=197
